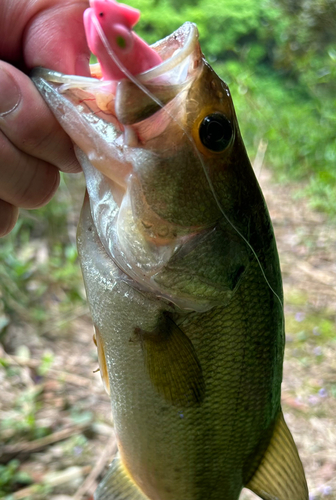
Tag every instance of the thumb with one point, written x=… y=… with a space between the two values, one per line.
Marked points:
x=55 y=39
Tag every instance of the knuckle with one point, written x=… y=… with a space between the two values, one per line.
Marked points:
x=51 y=144
x=38 y=185
x=36 y=139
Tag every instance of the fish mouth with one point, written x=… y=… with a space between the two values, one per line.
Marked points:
x=132 y=101
x=108 y=117
x=116 y=126
x=174 y=49
x=138 y=99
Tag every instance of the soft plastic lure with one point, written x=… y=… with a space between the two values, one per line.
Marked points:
x=117 y=21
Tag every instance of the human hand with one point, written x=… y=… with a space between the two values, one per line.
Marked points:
x=33 y=146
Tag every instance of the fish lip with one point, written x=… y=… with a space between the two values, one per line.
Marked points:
x=173 y=49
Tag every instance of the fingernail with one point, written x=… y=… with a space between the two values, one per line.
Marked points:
x=10 y=94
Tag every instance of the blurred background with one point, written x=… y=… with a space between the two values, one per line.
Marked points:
x=279 y=59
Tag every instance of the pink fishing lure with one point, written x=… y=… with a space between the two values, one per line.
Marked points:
x=117 y=21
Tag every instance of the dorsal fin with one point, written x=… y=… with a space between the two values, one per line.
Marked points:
x=280 y=475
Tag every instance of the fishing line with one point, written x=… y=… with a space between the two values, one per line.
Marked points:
x=123 y=68
x=138 y=83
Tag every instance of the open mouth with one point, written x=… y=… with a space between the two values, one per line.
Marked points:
x=107 y=119
x=131 y=101
x=104 y=117
x=173 y=50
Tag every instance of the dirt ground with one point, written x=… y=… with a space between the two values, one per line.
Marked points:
x=48 y=385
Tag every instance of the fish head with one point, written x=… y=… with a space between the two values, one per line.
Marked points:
x=162 y=153
x=182 y=136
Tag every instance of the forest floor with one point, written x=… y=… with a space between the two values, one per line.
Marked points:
x=56 y=425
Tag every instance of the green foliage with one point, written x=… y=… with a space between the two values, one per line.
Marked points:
x=46 y=362
x=40 y=281
x=310 y=22
x=22 y=418
x=298 y=129
x=10 y=476
x=279 y=59
x=226 y=28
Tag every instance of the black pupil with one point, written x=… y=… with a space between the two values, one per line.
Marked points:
x=215 y=132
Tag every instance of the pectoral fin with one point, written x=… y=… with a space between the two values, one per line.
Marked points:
x=97 y=339
x=172 y=363
x=280 y=475
x=118 y=485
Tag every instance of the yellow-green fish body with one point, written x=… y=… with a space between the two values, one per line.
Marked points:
x=183 y=280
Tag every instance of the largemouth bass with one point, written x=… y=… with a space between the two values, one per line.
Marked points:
x=183 y=280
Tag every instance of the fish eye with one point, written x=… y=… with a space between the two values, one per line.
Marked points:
x=215 y=132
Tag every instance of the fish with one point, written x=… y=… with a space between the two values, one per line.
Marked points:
x=183 y=280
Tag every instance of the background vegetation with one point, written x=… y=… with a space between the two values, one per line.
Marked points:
x=279 y=59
